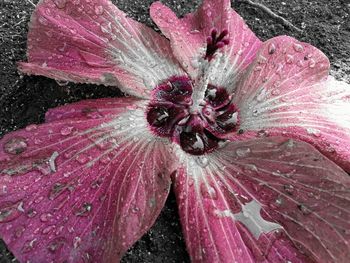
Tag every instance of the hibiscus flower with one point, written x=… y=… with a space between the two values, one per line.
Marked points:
x=254 y=137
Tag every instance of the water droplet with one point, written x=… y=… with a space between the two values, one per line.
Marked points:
x=275 y=92
x=82 y=158
x=208 y=191
x=305 y=210
x=60 y=3
x=10 y=211
x=31 y=213
x=289 y=59
x=48 y=229
x=314 y=132
x=42 y=20
x=202 y=161
x=312 y=63
x=76 y=242
x=45 y=217
x=271 y=48
x=106 y=27
x=84 y=210
x=52 y=160
x=29 y=245
x=98 y=10
x=56 y=190
x=105 y=159
x=19 y=231
x=15 y=145
x=243 y=151
x=31 y=127
x=289 y=189
x=66 y=130
x=56 y=244
x=298 y=48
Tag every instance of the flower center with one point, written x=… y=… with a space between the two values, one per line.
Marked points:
x=198 y=132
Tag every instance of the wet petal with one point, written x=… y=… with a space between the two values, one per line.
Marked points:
x=264 y=200
x=94 y=42
x=81 y=189
x=188 y=37
x=288 y=92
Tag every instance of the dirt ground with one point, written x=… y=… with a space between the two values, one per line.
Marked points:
x=24 y=100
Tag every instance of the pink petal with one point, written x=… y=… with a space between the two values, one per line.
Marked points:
x=82 y=189
x=188 y=37
x=264 y=200
x=288 y=92
x=94 y=42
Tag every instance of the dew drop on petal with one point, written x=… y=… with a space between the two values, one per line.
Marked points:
x=31 y=127
x=298 y=48
x=243 y=151
x=208 y=191
x=271 y=48
x=56 y=244
x=66 y=130
x=312 y=63
x=289 y=59
x=202 y=161
x=82 y=158
x=15 y=145
x=10 y=211
x=45 y=217
x=29 y=245
x=60 y=3
x=99 y=10
x=84 y=210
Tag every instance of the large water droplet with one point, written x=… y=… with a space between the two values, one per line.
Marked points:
x=29 y=245
x=84 y=210
x=289 y=59
x=56 y=190
x=243 y=151
x=15 y=145
x=312 y=63
x=56 y=244
x=10 y=211
x=202 y=161
x=208 y=191
x=298 y=48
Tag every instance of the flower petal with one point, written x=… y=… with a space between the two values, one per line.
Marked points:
x=188 y=38
x=94 y=42
x=81 y=189
x=264 y=200
x=288 y=92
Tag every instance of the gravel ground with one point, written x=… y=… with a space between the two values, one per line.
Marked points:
x=24 y=100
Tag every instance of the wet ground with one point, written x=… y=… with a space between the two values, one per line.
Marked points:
x=24 y=100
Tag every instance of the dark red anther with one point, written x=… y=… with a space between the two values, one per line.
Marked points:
x=215 y=42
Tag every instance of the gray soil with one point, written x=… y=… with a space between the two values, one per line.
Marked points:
x=24 y=100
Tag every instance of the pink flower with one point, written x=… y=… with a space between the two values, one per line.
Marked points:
x=91 y=180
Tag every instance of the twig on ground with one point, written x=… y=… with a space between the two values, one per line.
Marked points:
x=272 y=14
x=29 y=1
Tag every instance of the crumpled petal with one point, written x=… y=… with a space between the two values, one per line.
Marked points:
x=83 y=187
x=288 y=92
x=264 y=200
x=188 y=37
x=94 y=42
